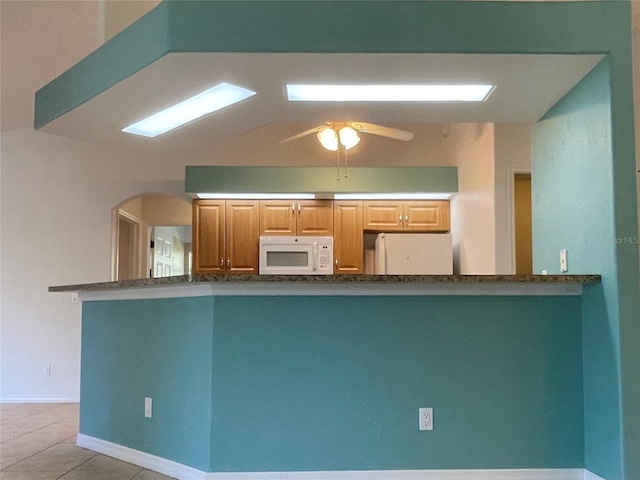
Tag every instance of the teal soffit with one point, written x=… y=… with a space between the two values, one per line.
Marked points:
x=378 y=27
x=211 y=179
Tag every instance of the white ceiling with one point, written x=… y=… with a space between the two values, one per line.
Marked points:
x=526 y=87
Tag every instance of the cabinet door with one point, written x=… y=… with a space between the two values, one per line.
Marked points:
x=348 y=249
x=314 y=217
x=383 y=216
x=427 y=216
x=208 y=236
x=277 y=217
x=242 y=232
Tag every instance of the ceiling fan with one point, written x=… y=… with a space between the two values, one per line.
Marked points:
x=332 y=135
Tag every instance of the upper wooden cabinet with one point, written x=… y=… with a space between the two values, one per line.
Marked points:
x=225 y=236
x=348 y=251
x=242 y=237
x=296 y=217
x=208 y=236
x=415 y=216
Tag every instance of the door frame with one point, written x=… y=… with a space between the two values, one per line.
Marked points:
x=139 y=262
x=511 y=172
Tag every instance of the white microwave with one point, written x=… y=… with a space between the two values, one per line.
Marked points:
x=288 y=255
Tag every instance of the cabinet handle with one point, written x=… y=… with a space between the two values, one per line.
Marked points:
x=336 y=262
x=406 y=219
x=222 y=262
x=400 y=218
x=293 y=208
x=228 y=262
x=298 y=208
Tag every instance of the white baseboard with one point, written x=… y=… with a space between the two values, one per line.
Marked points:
x=591 y=476
x=38 y=399
x=184 y=472
x=142 y=459
x=501 y=474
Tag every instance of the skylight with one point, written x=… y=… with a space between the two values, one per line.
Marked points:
x=388 y=93
x=210 y=100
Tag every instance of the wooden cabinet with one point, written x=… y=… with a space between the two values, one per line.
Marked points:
x=348 y=248
x=296 y=217
x=225 y=236
x=242 y=236
x=226 y=232
x=415 y=216
x=208 y=236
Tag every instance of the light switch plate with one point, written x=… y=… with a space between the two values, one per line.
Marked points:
x=563 y=261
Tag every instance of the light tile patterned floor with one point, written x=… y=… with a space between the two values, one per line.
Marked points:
x=38 y=442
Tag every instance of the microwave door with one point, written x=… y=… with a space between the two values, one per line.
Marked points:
x=283 y=259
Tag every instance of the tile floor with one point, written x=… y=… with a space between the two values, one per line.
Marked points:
x=38 y=442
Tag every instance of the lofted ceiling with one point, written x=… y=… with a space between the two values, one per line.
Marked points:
x=526 y=87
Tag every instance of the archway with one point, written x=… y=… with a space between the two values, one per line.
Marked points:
x=151 y=237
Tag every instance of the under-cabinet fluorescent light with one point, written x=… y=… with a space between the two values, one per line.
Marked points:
x=388 y=93
x=392 y=196
x=210 y=100
x=258 y=196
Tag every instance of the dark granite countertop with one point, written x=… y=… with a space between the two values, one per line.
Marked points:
x=182 y=280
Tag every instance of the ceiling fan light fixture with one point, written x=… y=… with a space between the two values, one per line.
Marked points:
x=349 y=138
x=389 y=93
x=215 y=98
x=328 y=139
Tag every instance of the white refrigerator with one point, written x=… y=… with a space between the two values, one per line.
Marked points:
x=414 y=254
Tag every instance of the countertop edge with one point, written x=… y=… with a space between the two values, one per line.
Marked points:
x=342 y=280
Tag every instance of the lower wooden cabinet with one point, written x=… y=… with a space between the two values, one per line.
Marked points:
x=225 y=237
x=348 y=250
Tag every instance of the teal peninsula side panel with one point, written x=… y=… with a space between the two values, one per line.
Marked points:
x=335 y=383
x=132 y=349
x=573 y=198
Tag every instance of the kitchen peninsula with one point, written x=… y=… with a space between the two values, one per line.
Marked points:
x=280 y=373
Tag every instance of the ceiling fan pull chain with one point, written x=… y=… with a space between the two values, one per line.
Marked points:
x=346 y=163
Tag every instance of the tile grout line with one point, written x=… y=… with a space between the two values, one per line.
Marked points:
x=6 y=467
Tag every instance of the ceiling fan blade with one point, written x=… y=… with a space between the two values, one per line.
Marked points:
x=305 y=133
x=382 y=131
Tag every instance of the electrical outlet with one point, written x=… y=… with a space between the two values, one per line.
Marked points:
x=425 y=418
x=47 y=370
x=148 y=407
x=563 y=261
x=74 y=297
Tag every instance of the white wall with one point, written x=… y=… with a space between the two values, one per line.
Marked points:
x=473 y=208
x=57 y=196
x=512 y=155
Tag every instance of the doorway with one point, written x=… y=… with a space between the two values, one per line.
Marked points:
x=522 y=222
x=137 y=224
x=128 y=234
x=171 y=252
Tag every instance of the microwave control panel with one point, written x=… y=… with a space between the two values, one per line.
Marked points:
x=324 y=259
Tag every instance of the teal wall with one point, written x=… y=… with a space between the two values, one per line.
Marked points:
x=335 y=383
x=216 y=179
x=573 y=208
x=149 y=348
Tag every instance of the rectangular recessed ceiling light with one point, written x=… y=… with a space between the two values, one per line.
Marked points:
x=258 y=196
x=392 y=196
x=388 y=93
x=210 y=100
